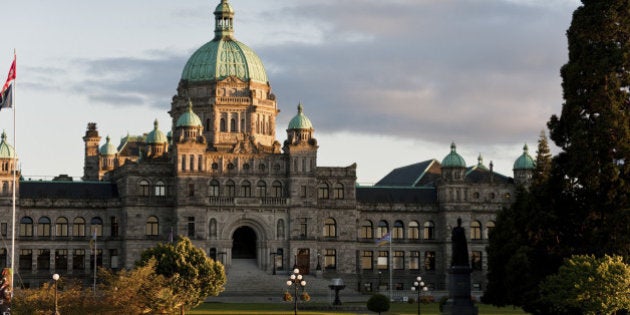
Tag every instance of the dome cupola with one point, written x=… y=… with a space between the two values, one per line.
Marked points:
x=300 y=121
x=156 y=136
x=6 y=150
x=189 y=118
x=453 y=159
x=525 y=161
x=108 y=148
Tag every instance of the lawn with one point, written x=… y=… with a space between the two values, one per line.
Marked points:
x=287 y=309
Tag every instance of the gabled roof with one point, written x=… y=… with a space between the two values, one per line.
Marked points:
x=374 y=194
x=68 y=190
x=415 y=175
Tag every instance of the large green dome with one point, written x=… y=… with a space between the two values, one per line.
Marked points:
x=453 y=159
x=224 y=56
x=525 y=161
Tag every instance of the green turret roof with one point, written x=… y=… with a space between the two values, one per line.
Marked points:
x=189 y=118
x=6 y=150
x=224 y=56
x=453 y=159
x=525 y=161
x=108 y=148
x=300 y=121
x=156 y=136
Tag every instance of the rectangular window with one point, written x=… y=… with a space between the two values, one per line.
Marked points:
x=330 y=259
x=78 y=259
x=366 y=260
x=99 y=259
x=303 y=228
x=3 y=229
x=61 y=259
x=3 y=257
x=476 y=261
x=43 y=259
x=397 y=233
x=191 y=190
x=113 y=226
x=303 y=190
x=383 y=260
x=429 y=260
x=414 y=260
x=398 y=261
x=113 y=258
x=191 y=227
x=26 y=259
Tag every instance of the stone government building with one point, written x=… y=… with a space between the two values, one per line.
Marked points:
x=221 y=177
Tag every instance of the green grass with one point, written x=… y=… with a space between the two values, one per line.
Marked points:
x=287 y=309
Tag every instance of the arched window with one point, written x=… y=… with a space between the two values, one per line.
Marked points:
x=382 y=229
x=213 y=190
x=338 y=191
x=322 y=191
x=398 y=230
x=246 y=189
x=277 y=189
x=213 y=227
x=230 y=188
x=366 y=231
x=207 y=126
x=26 y=227
x=61 y=227
x=153 y=226
x=414 y=230
x=330 y=228
x=280 y=229
x=96 y=226
x=223 y=125
x=261 y=189
x=429 y=230
x=489 y=228
x=160 y=189
x=78 y=227
x=475 y=230
x=43 y=227
x=233 y=125
x=144 y=188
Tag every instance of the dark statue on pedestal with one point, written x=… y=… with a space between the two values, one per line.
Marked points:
x=459 y=298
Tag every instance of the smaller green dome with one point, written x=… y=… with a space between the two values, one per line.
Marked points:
x=525 y=161
x=108 y=148
x=6 y=150
x=300 y=121
x=453 y=159
x=189 y=118
x=156 y=136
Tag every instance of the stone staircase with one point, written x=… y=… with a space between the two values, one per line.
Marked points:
x=247 y=283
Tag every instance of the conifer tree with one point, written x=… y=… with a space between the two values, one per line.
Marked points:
x=543 y=161
x=593 y=130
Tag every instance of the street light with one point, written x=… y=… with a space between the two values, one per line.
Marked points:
x=419 y=287
x=56 y=277
x=296 y=281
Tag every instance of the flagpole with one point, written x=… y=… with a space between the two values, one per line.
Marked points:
x=391 y=259
x=14 y=176
x=95 y=262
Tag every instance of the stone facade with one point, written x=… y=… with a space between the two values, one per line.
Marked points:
x=224 y=180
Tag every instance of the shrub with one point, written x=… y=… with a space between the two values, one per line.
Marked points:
x=378 y=303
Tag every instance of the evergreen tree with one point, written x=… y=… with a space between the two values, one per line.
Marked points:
x=543 y=161
x=593 y=130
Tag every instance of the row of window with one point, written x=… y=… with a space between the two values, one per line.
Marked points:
x=215 y=189
x=367 y=230
x=323 y=191
x=399 y=261
x=62 y=227
x=61 y=256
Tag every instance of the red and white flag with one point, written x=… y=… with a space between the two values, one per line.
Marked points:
x=6 y=95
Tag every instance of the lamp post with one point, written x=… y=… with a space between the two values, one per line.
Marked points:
x=419 y=287
x=55 y=277
x=296 y=281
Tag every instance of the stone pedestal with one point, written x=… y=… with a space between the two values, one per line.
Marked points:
x=459 y=298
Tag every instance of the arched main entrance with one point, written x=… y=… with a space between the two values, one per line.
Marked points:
x=244 y=243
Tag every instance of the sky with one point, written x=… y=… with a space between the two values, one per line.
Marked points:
x=385 y=83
